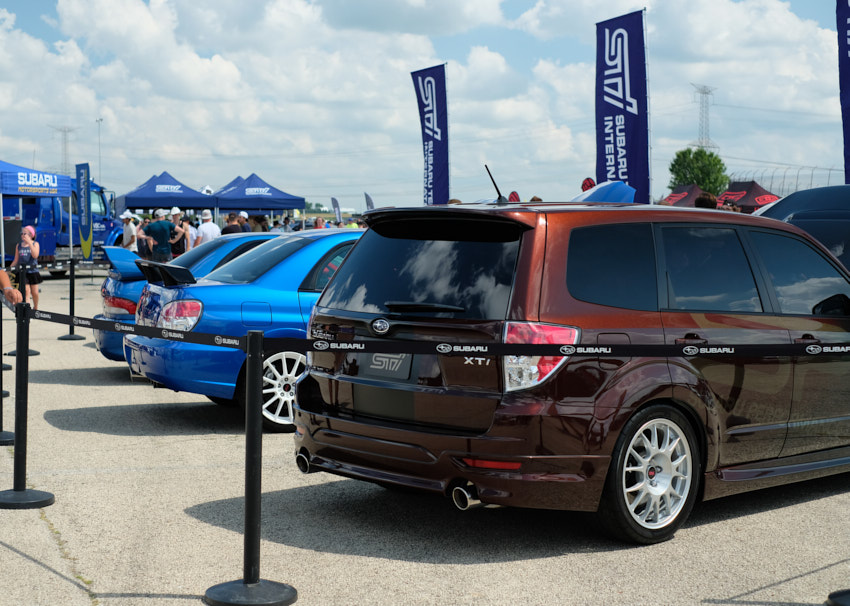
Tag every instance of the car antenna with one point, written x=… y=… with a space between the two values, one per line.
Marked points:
x=501 y=200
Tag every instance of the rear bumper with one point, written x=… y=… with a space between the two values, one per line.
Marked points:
x=111 y=343
x=202 y=369
x=433 y=462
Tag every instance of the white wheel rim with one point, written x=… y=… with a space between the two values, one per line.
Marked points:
x=657 y=474
x=280 y=372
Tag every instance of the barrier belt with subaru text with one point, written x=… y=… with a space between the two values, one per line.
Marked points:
x=329 y=342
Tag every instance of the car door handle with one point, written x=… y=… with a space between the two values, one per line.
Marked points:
x=691 y=339
x=806 y=340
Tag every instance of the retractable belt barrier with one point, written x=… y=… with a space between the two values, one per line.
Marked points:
x=439 y=347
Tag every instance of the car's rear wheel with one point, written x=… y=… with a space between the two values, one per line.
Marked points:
x=654 y=477
x=280 y=372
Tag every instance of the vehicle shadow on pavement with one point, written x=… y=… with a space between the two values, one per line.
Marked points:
x=100 y=376
x=179 y=419
x=768 y=499
x=354 y=518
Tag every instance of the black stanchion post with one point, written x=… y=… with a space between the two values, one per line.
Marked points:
x=71 y=336
x=22 y=286
x=251 y=589
x=20 y=497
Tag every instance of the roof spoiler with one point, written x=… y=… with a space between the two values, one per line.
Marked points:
x=169 y=275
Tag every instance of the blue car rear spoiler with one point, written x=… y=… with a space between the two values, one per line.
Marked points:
x=169 y=275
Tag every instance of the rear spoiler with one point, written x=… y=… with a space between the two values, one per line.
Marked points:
x=169 y=275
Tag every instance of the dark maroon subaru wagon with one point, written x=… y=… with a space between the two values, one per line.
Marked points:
x=731 y=406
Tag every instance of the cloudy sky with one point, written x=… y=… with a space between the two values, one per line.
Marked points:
x=316 y=97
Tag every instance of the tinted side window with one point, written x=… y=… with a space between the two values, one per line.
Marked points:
x=613 y=265
x=805 y=282
x=832 y=233
x=707 y=270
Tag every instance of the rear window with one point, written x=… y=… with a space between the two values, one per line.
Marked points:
x=193 y=256
x=832 y=232
x=613 y=265
x=254 y=263
x=447 y=267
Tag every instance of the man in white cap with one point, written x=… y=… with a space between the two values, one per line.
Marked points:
x=243 y=221
x=185 y=241
x=128 y=240
x=207 y=230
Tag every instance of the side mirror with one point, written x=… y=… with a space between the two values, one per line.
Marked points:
x=836 y=305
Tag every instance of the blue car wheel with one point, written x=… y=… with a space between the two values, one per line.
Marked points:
x=280 y=372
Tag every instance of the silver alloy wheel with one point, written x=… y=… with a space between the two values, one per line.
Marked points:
x=657 y=473
x=280 y=371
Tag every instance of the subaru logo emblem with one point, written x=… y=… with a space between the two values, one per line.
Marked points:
x=117 y=327
x=217 y=340
x=568 y=350
x=320 y=345
x=380 y=326
x=814 y=349
x=444 y=348
x=690 y=350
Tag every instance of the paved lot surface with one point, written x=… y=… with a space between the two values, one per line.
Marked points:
x=149 y=491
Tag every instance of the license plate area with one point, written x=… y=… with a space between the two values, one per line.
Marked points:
x=385 y=365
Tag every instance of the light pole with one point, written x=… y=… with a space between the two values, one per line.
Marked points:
x=99 y=169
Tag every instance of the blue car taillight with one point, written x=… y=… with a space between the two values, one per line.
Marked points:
x=180 y=315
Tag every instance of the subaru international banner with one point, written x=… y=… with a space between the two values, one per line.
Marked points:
x=85 y=210
x=622 y=120
x=842 y=16
x=430 y=85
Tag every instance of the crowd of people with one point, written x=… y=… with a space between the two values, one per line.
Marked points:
x=171 y=233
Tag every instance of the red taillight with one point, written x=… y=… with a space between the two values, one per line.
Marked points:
x=490 y=464
x=522 y=372
x=113 y=306
x=180 y=315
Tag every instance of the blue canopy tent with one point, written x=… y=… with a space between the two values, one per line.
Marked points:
x=163 y=191
x=229 y=187
x=255 y=194
x=27 y=182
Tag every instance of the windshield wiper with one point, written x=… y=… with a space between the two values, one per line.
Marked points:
x=421 y=306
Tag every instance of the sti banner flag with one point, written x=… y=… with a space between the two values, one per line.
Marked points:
x=430 y=85
x=842 y=16
x=622 y=113
x=337 y=212
x=85 y=210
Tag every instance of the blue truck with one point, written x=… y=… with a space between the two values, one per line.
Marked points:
x=57 y=222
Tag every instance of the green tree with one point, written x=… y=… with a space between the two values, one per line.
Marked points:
x=699 y=166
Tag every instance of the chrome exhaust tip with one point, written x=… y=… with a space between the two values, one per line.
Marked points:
x=303 y=463
x=465 y=497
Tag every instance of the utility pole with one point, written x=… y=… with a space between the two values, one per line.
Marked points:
x=704 y=141
x=66 y=164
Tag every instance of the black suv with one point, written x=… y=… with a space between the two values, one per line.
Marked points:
x=625 y=359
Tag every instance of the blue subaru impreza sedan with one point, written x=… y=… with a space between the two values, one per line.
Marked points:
x=271 y=288
x=124 y=281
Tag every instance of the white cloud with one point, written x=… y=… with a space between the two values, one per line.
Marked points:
x=317 y=98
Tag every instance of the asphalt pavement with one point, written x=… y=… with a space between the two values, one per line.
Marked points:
x=148 y=511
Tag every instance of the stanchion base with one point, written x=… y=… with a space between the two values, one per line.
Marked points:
x=70 y=337
x=7 y=366
x=839 y=598
x=7 y=438
x=25 y=499
x=264 y=593
x=30 y=352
